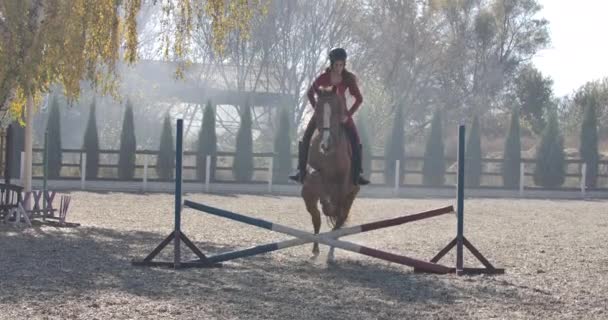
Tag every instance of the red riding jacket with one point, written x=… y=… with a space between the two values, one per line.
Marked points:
x=349 y=81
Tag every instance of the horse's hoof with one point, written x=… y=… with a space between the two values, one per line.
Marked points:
x=331 y=259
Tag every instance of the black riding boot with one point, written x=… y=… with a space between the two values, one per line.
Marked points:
x=358 y=179
x=302 y=158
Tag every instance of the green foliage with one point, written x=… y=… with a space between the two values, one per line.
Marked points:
x=511 y=164
x=473 y=165
x=589 y=143
x=550 y=171
x=206 y=144
x=45 y=42
x=433 y=168
x=282 y=163
x=54 y=146
x=534 y=94
x=592 y=99
x=243 y=161
x=395 y=149
x=17 y=144
x=165 y=163
x=128 y=145
x=91 y=144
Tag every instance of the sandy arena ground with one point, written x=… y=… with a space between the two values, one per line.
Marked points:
x=555 y=253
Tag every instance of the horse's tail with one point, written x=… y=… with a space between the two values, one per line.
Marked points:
x=332 y=221
x=338 y=220
x=338 y=216
x=332 y=212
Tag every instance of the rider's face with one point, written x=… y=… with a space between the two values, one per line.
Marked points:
x=338 y=66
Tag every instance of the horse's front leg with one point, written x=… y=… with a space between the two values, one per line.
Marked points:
x=330 y=254
x=316 y=223
x=311 y=198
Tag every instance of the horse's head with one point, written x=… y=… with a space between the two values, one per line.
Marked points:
x=328 y=115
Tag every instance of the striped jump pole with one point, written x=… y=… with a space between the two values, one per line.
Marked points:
x=327 y=238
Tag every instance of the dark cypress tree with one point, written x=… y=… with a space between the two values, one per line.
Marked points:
x=512 y=154
x=54 y=145
x=165 y=163
x=91 y=145
x=395 y=149
x=433 y=168
x=473 y=165
x=550 y=171
x=207 y=144
x=367 y=146
x=589 y=144
x=243 y=160
x=128 y=145
x=17 y=145
x=282 y=165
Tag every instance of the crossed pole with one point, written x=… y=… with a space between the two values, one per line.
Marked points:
x=327 y=238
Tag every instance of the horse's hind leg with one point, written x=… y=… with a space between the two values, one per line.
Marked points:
x=311 y=198
x=345 y=207
x=349 y=202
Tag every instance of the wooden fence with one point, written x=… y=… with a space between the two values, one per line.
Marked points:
x=73 y=168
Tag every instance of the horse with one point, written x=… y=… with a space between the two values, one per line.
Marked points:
x=331 y=181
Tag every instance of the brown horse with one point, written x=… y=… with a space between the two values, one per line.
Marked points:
x=331 y=182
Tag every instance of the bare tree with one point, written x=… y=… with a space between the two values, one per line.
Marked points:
x=460 y=56
x=304 y=33
x=398 y=49
x=283 y=53
x=238 y=69
x=488 y=41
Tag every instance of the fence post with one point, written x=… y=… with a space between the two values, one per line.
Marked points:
x=145 y=177
x=460 y=202
x=45 y=168
x=397 y=176
x=21 y=167
x=21 y=178
x=270 y=164
x=177 y=236
x=207 y=173
x=522 y=177
x=83 y=168
x=583 y=179
x=456 y=184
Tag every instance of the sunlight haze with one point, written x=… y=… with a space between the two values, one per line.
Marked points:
x=578 y=51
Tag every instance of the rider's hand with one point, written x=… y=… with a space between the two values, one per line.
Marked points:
x=344 y=119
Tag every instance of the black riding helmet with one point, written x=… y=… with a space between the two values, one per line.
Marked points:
x=337 y=54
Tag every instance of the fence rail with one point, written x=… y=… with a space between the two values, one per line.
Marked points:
x=411 y=168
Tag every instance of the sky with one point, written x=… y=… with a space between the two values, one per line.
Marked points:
x=578 y=52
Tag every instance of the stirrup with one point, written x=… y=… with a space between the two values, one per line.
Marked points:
x=362 y=181
x=297 y=177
